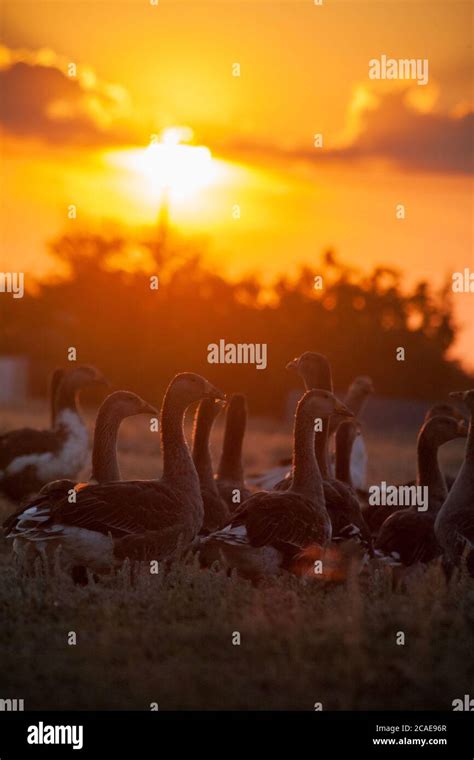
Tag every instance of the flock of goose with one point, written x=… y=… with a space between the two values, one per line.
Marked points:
x=281 y=520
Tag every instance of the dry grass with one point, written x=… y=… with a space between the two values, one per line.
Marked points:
x=168 y=638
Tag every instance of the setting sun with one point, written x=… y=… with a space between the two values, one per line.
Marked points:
x=170 y=167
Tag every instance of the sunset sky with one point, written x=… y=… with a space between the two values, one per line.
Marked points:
x=168 y=71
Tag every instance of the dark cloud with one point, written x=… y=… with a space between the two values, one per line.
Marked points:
x=393 y=130
x=41 y=101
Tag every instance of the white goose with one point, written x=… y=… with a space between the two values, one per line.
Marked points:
x=31 y=458
x=140 y=519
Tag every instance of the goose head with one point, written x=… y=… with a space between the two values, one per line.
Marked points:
x=313 y=368
x=443 y=410
x=189 y=387
x=82 y=376
x=467 y=397
x=322 y=403
x=363 y=384
x=127 y=404
x=439 y=430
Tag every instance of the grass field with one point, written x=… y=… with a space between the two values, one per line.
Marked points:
x=168 y=639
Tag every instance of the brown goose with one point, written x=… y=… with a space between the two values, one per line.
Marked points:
x=139 y=519
x=271 y=528
x=105 y=468
x=315 y=371
x=341 y=500
x=31 y=458
x=216 y=511
x=56 y=379
x=408 y=534
x=375 y=516
x=230 y=473
x=454 y=525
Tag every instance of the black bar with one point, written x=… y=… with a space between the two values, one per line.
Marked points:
x=150 y=734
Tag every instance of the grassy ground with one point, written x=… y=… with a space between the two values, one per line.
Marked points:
x=169 y=638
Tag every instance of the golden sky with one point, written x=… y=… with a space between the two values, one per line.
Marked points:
x=142 y=69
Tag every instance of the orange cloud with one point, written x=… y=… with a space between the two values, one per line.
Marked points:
x=400 y=126
x=41 y=99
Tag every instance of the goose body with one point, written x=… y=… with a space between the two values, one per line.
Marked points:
x=408 y=534
x=454 y=525
x=31 y=458
x=271 y=528
x=136 y=519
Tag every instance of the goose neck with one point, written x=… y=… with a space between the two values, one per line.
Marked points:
x=178 y=466
x=469 y=454
x=230 y=465
x=343 y=457
x=429 y=473
x=306 y=472
x=201 y=453
x=105 y=468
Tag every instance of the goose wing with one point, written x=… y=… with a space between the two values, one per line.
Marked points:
x=131 y=507
x=283 y=520
x=410 y=534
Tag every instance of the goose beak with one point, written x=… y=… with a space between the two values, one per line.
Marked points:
x=343 y=410
x=213 y=392
x=149 y=409
x=462 y=429
x=457 y=394
x=293 y=364
x=101 y=380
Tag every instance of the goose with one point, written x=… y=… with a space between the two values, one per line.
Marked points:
x=105 y=468
x=342 y=503
x=31 y=458
x=454 y=524
x=375 y=516
x=230 y=474
x=139 y=519
x=216 y=511
x=356 y=398
x=56 y=379
x=408 y=534
x=272 y=527
x=315 y=370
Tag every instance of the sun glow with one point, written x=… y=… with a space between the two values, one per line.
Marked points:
x=169 y=167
